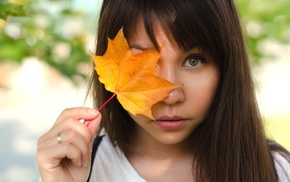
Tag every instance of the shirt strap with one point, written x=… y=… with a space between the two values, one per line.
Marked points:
x=96 y=144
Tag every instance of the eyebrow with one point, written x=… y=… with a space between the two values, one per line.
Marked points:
x=137 y=46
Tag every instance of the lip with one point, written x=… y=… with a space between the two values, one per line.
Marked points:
x=170 y=122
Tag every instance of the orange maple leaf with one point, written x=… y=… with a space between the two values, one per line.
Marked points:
x=132 y=77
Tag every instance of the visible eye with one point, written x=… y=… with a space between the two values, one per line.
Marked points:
x=194 y=60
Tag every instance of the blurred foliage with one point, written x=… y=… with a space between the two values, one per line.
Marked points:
x=12 y=9
x=264 y=20
x=55 y=33
x=50 y=30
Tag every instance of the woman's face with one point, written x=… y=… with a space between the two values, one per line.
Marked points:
x=185 y=107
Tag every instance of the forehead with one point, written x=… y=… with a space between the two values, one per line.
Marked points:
x=140 y=36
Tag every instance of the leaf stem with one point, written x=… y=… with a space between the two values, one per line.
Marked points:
x=105 y=103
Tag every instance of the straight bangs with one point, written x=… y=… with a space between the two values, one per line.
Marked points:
x=185 y=21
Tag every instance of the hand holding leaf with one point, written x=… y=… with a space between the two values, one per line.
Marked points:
x=132 y=77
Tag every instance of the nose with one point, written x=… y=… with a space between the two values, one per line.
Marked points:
x=170 y=74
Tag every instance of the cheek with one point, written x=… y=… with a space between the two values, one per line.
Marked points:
x=208 y=90
x=203 y=91
x=139 y=119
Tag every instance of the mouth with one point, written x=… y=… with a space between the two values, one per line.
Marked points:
x=170 y=122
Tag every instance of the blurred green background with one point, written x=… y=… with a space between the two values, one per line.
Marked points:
x=45 y=63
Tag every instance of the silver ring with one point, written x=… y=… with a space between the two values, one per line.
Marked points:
x=58 y=138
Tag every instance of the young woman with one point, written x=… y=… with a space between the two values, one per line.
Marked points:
x=209 y=129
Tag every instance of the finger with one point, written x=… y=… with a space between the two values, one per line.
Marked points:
x=71 y=117
x=78 y=113
x=70 y=137
x=70 y=124
x=94 y=124
x=79 y=142
x=51 y=157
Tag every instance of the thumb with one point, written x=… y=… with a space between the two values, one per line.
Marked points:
x=94 y=124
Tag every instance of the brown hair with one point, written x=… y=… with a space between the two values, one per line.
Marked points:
x=230 y=145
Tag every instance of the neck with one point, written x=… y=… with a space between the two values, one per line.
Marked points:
x=156 y=161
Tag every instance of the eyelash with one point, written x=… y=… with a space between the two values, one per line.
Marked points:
x=196 y=57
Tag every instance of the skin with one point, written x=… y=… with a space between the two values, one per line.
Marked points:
x=69 y=160
x=158 y=150
x=163 y=142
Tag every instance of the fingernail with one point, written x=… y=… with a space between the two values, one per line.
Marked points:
x=93 y=111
